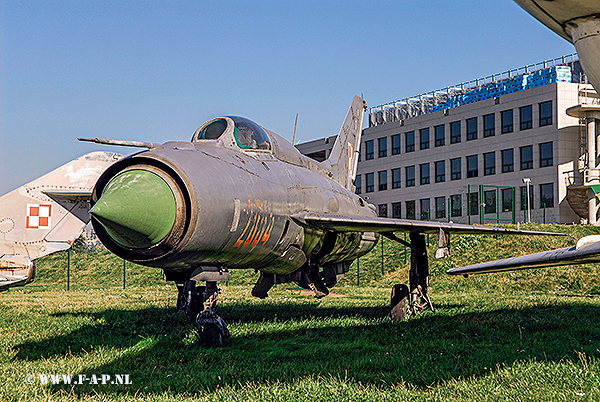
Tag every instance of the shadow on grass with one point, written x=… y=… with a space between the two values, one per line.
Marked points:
x=288 y=342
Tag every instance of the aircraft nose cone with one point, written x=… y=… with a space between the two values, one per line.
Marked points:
x=137 y=209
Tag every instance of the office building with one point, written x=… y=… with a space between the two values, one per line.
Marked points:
x=472 y=153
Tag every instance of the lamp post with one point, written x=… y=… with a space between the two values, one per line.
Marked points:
x=527 y=182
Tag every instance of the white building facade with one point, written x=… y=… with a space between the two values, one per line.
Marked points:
x=476 y=158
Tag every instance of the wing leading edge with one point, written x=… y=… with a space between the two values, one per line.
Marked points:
x=350 y=223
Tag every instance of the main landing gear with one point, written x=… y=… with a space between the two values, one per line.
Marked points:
x=199 y=305
x=416 y=298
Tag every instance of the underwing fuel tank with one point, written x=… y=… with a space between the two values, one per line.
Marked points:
x=212 y=202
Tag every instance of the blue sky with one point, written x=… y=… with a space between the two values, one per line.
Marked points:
x=156 y=70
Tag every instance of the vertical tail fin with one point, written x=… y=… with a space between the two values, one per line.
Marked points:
x=344 y=155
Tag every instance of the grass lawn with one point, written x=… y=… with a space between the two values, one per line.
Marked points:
x=529 y=335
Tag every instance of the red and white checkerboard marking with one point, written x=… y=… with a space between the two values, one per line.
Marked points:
x=38 y=216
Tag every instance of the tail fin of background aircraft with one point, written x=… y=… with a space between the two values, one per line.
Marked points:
x=344 y=155
x=46 y=215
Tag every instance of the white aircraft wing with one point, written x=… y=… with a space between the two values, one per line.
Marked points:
x=587 y=250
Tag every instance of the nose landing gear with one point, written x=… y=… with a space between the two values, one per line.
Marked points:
x=199 y=304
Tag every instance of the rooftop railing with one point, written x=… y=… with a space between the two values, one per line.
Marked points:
x=421 y=103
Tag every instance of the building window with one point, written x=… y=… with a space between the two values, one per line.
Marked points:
x=490 y=201
x=410 y=176
x=359 y=153
x=523 y=191
x=424 y=170
x=526 y=117
x=474 y=204
x=472 y=166
x=370 y=154
x=424 y=134
x=508 y=161
x=455 y=205
x=411 y=210
x=507 y=199
x=396 y=177
x=507 y=121
x=489 y=125
x=358 y=184
x=395 y=144
x=440 y=135
x=382 y=210
x=455 y=169
x=545 y=113
x=547 y=195
x=370 y=179
x=472 y=129
x=410 y=141
x=489 y=161
x=546 y=154
x=440 y=207
x=455 y=132
x=382 y=180
x=396 y=210
x=425 y=206
x=382 y=142
x=440 y=171
x=526 y=157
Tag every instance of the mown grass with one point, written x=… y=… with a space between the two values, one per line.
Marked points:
x=529 y=335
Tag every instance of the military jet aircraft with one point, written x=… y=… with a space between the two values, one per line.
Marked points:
x=46 y=215
x=240 y=196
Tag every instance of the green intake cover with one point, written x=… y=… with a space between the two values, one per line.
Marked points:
x=137 y=209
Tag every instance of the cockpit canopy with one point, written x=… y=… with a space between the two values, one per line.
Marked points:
x=247 y=134
x=212 y=131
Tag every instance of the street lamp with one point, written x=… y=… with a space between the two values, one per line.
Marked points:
x=527 y=182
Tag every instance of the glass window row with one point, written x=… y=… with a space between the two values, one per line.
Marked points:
x=506 y=159
x=507 y=125
x=458 y=205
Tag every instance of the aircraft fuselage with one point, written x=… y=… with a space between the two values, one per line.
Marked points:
x=234 y=208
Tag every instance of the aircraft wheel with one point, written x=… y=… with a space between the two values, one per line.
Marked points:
x=211 y=335
x=400 y=295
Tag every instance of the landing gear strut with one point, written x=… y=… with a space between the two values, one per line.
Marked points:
x=315 y=283
x=199 y=305
x=416 y=296
x=419 y=275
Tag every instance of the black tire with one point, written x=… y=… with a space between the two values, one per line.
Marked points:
x=211 y=335
x=400 y=295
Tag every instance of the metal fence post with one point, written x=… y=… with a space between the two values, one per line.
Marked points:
x=481 y=207
x=497 y=204
x=382 y=263
x=469 y=202
x=514 y=205
x=69 y=269
x=405 y=256
x=544 y=213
